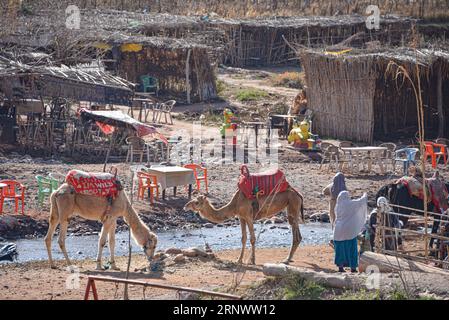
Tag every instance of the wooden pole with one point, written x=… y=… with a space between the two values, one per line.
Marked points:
x=188 y=85
x=441 y=121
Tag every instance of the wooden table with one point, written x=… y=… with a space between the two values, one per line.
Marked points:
x=172 y=177
x=358 y=154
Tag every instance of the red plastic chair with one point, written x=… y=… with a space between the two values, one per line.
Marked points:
x=9 y=192
x=147 y=182
x=196 y=168
x=435 y=151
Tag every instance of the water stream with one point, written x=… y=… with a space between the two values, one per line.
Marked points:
x=219 y=238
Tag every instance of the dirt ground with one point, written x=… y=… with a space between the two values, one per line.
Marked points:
x=38 y=281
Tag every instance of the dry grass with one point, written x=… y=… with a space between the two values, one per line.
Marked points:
x=289 y=80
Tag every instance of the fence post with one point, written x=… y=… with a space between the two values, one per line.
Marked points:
x=380 y=231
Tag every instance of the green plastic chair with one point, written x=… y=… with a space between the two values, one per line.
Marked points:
x=149 y=84
x=46 y=186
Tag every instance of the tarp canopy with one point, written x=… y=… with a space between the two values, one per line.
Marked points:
x=121 y=120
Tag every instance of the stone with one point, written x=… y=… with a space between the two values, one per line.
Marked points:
x=208 y=225
x=189 y=253
x=173 y=251
x=180 y=258
x=324 y=217
x=277 y=220
x=160 y=256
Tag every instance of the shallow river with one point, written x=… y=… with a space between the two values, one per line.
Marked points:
x=80 y=247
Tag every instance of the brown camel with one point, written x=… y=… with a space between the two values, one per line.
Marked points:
x=242 y=207
x=65 y=203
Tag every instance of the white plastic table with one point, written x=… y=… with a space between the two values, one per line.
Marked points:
x=172 y=177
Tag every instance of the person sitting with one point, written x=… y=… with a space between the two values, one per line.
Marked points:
x=350 y=220
x=299 y=107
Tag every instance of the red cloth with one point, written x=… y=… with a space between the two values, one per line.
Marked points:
x=106 y=128
x=93 y=184
x=263 y=183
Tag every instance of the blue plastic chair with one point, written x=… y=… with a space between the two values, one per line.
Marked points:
x=406 y=156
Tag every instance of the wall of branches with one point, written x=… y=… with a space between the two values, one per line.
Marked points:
x=252 y=8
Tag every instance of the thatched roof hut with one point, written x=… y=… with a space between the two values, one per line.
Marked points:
x=356 y=96
x=23 y=81
x=182 y=68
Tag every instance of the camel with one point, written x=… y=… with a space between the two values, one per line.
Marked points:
x=65 y=203
x=242 y=207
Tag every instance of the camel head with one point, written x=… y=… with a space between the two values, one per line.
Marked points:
x=196 y=204
x=149 y=245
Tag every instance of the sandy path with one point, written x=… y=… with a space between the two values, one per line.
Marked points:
x=35 y=280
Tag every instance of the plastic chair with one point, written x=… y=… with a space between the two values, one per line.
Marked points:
x=198 y=178
x=9 y=192
x=434 y=154
x=406 y=156
x=147 y=182
x=45 y=187
x=166 y=109
x=149 y=84
x=389 y=155
x=136 y=146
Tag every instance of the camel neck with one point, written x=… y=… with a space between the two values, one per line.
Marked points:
x=221 y=214
x=135 y=223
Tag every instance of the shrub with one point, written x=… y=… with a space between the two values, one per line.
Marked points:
x=251 y=95
x=289 y=80
x=300 y=288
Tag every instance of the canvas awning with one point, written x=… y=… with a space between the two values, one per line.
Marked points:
x=122 y=120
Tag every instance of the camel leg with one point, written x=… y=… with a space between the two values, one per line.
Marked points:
x=62 y=235
x=293 y=212
x=102 y=242
x=52 y=225
x=111 y=242
x=252 y=240
x=243 y=227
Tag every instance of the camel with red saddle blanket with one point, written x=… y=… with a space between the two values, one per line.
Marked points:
x=95 y=196
x=260 y=196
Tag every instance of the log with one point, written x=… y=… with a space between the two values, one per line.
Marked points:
x=394 y=264
x=332 y=280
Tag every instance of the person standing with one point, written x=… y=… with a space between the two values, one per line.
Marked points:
x=333 y=190
x=350 y=219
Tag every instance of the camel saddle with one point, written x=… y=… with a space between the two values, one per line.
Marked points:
x=105 y=185
x=437 y=192
x=261 y=184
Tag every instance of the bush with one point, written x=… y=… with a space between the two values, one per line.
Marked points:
x=289 y=79
x=300 y=288
x=251 y=95
x=221 y=87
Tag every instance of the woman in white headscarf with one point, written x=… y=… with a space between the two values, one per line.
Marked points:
x=332 y=191
x=350 y=220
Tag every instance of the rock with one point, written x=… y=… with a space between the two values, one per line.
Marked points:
x=173 y=251
x=189 y=253
x=80 y=252
x=208 y=225
x=273 y=227
x=160 y=256
x=194 y=252
x=180 y=258
x=324 y=217
x=277 y=220
x=268 y=221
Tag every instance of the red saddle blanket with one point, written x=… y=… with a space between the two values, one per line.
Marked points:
x=261 y=184
x=93 y=184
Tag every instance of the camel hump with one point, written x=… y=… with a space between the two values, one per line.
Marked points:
x=264 y=183
x=92 y=183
